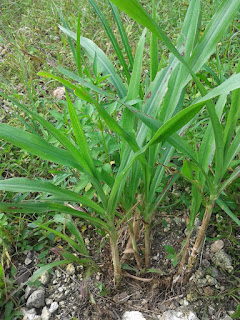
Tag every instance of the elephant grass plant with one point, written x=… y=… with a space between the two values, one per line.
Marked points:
x=151 y=128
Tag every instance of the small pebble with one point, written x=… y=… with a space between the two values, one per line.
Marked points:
x=217 y=245
x=70 y=269
x=48 y=301
x=27 y=261
x=98 y=276
x=59 y=93
x=58 y=273
x=46 y=315
x=87 y=241
x=53 y=307
x=45 y=277
x=211 y=280
x=28 y=291
x=133 y=315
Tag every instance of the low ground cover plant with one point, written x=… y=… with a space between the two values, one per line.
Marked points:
x=141 y=124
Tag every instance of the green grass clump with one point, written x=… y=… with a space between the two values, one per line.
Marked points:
x=124 y=122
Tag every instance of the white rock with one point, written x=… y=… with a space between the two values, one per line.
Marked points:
x=36 y=299
x=178 y=315
x=45 y=277
x=48 y=301
x=212 y=281
x=59 y=93
x=133 y=315
x=222 y=260
x=46 y=314
x=98 y=276
x=28 y=291
x=28 y=314
x=58 y=273
x=87 y=241
x=28 y=261
x=217 y=245
x=185 y=302
x=53 y=307
x=70 y=269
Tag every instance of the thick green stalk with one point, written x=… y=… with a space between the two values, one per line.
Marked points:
x=153 y=47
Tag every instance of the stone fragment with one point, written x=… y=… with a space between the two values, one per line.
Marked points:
x=58 y=273
x=133 y=315
x=46 y=314
x=59 y=93
x=36 y=299
x=87 y=241
x=53 y=307
x=70 y=269
x=178 y=315
x=28 y=314
x=217 y=245
x=44 y=279
x=48 y=301
x=27 y=261
x=212 y=281
x=222 y=260
x=28 y=291
x=29 y=258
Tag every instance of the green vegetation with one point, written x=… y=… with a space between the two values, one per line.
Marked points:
x=147 y=109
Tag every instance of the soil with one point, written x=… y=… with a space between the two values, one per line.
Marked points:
x=212 y=293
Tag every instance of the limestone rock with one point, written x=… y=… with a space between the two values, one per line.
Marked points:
x=70 y=269
x=178 y=315
x=36 y=299
x=46 y=314
x=44 y=279
x=217 y=245
x=30 y=314
x=28 y=291
x=222 y=260
x=53 y=307
x=59 y=93
x=133 y=315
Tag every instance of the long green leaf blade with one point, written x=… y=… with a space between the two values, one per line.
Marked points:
x=112 y=38
x=105 y=65
x=153 y=47
x=122 y=32
x=27 y=185
x=134 y=86
x=224 y=207
x=79 y=134
x=37 y=146
x=184 y=116
x=233 y=116
x=51 y=208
